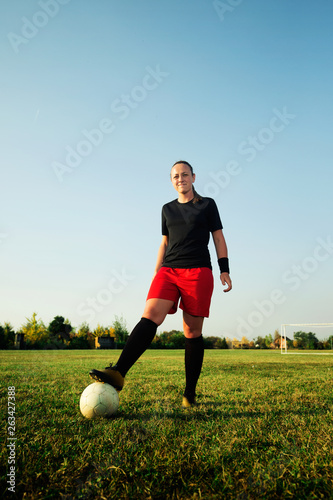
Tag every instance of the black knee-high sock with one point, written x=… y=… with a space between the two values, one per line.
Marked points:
x=194 y=353
x=139 y=340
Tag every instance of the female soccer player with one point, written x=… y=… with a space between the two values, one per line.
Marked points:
x=183 y=271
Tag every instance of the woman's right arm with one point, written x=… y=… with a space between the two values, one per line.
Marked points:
x=161 y=254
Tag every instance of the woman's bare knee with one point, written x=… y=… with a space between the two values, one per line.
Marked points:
x=157 y=309
x=192 y=334
x=192 y=325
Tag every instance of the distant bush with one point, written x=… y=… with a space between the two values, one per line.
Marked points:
x=79 y=343
x=7 y=336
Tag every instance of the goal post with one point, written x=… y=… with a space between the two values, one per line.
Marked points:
x=284 y=346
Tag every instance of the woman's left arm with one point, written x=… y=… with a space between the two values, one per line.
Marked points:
x=222 y=251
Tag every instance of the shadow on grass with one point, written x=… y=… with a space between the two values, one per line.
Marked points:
x=207 y=410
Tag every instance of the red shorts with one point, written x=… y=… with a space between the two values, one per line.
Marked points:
x=193 y=286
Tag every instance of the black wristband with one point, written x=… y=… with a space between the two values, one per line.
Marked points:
x=224 y=265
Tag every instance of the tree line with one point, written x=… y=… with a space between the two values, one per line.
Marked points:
x=301 y=340
x=60 y=334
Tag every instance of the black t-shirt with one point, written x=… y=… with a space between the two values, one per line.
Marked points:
x=188 y=227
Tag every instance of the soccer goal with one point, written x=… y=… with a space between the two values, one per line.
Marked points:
x=284 y=346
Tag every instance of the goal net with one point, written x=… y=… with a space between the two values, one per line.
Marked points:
x=308 y=329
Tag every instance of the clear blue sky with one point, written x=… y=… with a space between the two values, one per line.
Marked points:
x=242 y=90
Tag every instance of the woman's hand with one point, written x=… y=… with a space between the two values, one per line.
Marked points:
x=226 y=280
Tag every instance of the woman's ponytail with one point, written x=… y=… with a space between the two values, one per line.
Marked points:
x=197 y=196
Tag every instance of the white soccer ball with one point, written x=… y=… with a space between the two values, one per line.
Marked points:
x=99 y=400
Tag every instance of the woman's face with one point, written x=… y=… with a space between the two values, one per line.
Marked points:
x=182 y=178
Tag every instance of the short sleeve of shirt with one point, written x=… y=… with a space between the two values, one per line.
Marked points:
x=214 y=220
x=165 y=231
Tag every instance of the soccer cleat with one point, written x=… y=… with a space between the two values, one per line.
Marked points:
x=110 y=375
x=188 y=402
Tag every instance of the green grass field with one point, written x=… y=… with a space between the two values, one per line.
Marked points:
x=262 y=429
